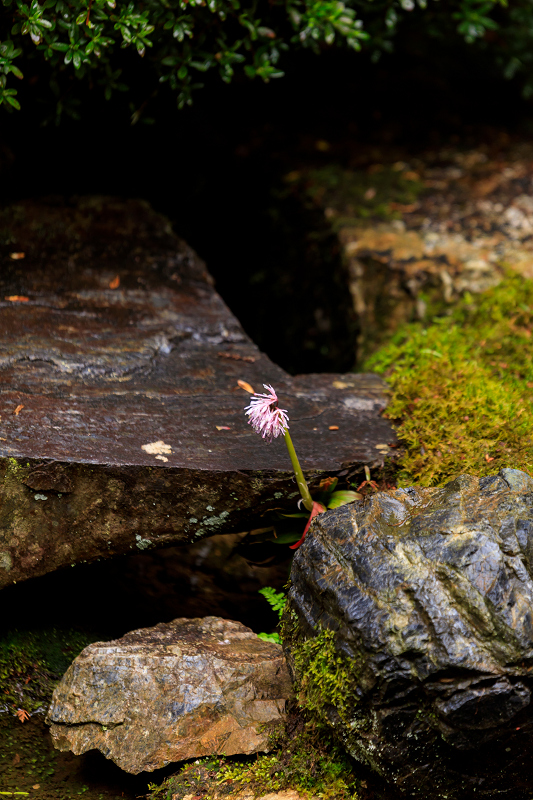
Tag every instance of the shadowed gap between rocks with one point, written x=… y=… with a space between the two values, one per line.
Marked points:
x=111 y=597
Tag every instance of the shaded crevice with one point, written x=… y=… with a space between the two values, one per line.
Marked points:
x=106 y=726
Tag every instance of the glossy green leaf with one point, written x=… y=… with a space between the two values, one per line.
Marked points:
x=342 y=497
x=285 y=538
x=296 y=515
x=270 y=637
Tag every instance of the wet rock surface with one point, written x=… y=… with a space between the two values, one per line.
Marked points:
x=122 y=422
x=428 y=594
x=183 y=689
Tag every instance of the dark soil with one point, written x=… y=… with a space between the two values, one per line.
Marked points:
x=29 y=763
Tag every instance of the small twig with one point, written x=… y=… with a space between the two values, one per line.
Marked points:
x=89 y=12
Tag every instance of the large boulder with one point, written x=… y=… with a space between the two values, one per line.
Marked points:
x=409 y=630
x=183 y=689
x=123 y=378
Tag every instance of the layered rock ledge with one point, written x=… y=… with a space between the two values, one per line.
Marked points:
x=122 y=421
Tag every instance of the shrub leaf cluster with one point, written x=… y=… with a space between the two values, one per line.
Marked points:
x=179 y=40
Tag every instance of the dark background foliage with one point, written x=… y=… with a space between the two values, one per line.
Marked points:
x=216 y=168
x=144 y=48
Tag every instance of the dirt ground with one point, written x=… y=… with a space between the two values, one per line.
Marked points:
x=30 y=767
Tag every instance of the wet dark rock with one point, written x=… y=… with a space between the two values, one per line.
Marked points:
x=122 y=422
x=426 y=597
x=183 y=689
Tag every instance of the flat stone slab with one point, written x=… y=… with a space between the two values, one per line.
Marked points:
x=122 y=421
x=182 y=689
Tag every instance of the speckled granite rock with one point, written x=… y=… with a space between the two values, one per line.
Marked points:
x=427 y=597
x=183 y=689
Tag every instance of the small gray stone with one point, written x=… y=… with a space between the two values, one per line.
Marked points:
x=183 y=689
x=517 y=480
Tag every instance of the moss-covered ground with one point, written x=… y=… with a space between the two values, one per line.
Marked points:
x=30 y=767
x=304 y=758
x=348 y=196
x=31 y=663
x=462 y=387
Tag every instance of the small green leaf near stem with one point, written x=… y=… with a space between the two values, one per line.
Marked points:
x=300 y=480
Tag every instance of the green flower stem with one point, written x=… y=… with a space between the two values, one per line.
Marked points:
x=300 y=480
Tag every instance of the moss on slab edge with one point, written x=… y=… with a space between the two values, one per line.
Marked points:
x=462 y=387
x=304 y=758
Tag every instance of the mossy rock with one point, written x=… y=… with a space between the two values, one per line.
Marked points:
x=408 y=631
x=462 y=387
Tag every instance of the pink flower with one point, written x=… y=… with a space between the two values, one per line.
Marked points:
x=265 y=416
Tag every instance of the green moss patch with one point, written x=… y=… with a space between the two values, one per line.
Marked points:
x=323 y=677
x=304 y=758
x=462 y=387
